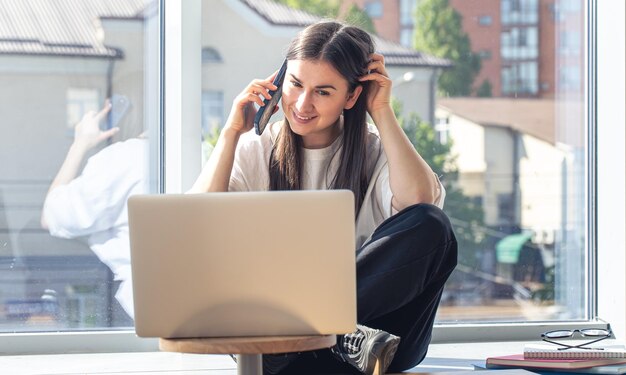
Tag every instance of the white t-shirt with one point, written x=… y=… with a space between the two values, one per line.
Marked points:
x=94 y=205
x=251 y=173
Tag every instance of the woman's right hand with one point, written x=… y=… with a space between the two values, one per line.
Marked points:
x=241 y=118
x=87 y=133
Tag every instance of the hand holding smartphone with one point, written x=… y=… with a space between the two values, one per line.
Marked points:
x=120 y=104
x=265 y=112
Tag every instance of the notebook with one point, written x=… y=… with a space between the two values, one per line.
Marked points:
x=597 y=351
x=518 y=361
x=243 y=264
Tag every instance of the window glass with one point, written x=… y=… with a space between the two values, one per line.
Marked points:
x=407 y=10
x=485 y=20
x=511 y=157
x=519 y=11
x=64 y=253
x=374 y=9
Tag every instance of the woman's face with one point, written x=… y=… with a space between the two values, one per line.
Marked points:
x=314 y=96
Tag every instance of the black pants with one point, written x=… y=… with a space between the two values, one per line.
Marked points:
x=401 y=272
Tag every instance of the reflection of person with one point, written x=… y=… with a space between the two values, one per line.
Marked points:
x=93 y=203
x=406 y=248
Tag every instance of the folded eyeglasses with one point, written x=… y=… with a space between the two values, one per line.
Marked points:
x=596 y=334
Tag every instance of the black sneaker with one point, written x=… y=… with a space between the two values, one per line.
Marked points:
x=275 y=363
x=369 y=350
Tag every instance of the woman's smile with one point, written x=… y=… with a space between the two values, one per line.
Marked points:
x=314 y=96
x=303 y=118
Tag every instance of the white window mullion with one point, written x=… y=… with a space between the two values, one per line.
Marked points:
x=611 y=184
x=182 y=89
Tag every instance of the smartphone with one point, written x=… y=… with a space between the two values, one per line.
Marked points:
x=264 y=113
x=120 y=104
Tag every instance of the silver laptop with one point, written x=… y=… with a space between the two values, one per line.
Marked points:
x=243 y=264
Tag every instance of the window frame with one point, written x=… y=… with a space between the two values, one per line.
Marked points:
x=181 y=70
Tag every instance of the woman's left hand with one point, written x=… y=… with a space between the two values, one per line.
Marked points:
x=379 y=95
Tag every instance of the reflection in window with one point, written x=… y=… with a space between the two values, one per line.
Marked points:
x=79 y=102
x=211 y=55
x=212 y=111
x=212 y=120
x=569 y=42
x=69 y=269
x=570 y=77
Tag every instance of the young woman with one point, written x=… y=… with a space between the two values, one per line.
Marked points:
x=405 y=246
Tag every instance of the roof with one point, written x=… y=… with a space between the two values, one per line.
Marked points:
x=68 y=28
x=535 y=117
x=395 y=54
x=279 y=14
x=61 y=28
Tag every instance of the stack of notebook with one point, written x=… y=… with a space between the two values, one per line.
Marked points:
x=539 y=357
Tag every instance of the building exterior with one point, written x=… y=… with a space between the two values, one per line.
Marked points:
x=268 y=28
x=511 y=161
x=61 y=59
x=520 y=41
x=504 y=148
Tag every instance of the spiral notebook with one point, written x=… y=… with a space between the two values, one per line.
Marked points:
x=549 y=351
x=518 y=361
x=601 y=366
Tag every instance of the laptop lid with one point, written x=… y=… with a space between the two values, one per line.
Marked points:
x=243 y=264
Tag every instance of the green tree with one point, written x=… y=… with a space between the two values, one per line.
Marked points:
x=322 y=8
x=358 y=17
x=484 y=90
x=467 y=217
x=330 y=9
x=438 y=31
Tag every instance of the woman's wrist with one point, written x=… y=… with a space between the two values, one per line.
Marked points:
x=230 y=133
x=79 y=148
x=382 y=116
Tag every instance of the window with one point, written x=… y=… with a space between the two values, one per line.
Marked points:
x=520 y=78
x=212 y=120
x=485 y=20
x=442 y=129
x=211 y=55
x=570 y=77
x=71 y=273
x=485 y=54
x=519 y=43
x=519 y=11
x=25 y=179
x=79 y=102
x=569 y=42
x=212 y=112
x=406 y=37
x=407 y=12
x=374 y=9
x=506 y=209
x=530 y=176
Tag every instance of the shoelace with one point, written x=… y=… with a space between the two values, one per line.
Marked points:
x=352 y=341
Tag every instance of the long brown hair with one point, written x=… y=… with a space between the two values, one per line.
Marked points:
x=347 y=49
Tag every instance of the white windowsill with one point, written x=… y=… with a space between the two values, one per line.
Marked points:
x=441 y=357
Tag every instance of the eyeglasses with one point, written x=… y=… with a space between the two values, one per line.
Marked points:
x=597 y=334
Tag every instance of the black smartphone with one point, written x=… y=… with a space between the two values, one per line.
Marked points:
x=264 y=113
x=120 y=104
